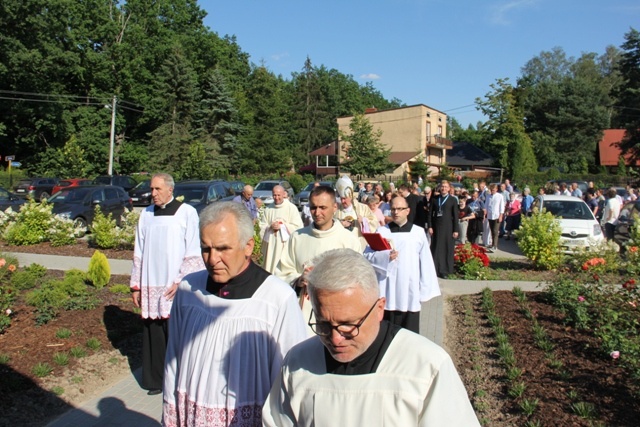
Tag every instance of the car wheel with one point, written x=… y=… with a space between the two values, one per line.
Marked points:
x=80 y=223
x=44 y=196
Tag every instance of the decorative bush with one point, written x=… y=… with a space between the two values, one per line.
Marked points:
x=471 y=261
x=63 y=231
x=539 y=240
x=31 y=225
x=105 y=234
x=602 y=258
x=99 y=270
x=29 y=277
x=35 y=223
x=70 y=293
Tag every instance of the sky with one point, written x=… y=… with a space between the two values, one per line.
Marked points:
x=441 y=53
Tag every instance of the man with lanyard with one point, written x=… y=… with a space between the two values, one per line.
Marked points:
x=246 y=198
x=443 y=228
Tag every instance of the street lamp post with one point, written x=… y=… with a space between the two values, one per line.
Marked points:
x=113 y=135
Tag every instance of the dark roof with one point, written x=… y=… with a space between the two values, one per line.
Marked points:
x=467 y=154
x=399 y=157
x=325 y=150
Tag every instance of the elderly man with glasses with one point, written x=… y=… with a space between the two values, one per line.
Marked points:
x=361 y=370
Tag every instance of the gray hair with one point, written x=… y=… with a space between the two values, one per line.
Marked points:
x=340 y=269
x=168 y=179
x=218 y=211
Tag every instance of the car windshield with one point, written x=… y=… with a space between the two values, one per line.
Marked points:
x=106 y=180
x=568 y=209
x=191 y=195
x=70 y=196
x=265 y=186
x=144 y=185
x=309 y=187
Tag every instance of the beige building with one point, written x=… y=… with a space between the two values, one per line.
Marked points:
x=412 y=133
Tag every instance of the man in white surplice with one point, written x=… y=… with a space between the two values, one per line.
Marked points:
x=277 y=222
x=406 y=274
x=361 y=370
x=231 y=327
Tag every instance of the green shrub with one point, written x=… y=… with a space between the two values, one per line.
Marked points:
x=41 y=370
x=63 y=333
x=78 y=352
x=99 y=270
x=104 y=234
x=93 y=343
x=31 y=225
x=539 y=240
x=63 y=232
x=70 y=293
x=29 y=277
x=120 y=289
x=61 y=359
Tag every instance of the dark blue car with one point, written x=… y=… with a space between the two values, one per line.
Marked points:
x=79 y=203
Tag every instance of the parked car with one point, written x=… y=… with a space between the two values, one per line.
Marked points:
x=199 y=194
x=123 y=181
x=35 y=188
x=302 y=198
x=237 y=186
x=629 y=214
x=78 y=203
x=9 y=200
x=72 y=182
x=141 y=193
x=263 y=190
x=580 y=229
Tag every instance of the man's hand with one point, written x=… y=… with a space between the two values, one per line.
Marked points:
x=171 y=292
x=430 y=231
x=135 y=296
x=275 y=225
x=393 y=255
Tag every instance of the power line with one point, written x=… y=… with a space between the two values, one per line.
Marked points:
x=102 y=100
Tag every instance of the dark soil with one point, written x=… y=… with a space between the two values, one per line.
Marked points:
x=82 y=249
x=586 y=376
x=25 y=399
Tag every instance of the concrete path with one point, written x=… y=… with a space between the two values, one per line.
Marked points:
x=126 y=404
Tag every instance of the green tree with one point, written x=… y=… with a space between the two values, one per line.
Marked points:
x=366 y=155
x=196 y=165
x=312 y=120
x=629 y=93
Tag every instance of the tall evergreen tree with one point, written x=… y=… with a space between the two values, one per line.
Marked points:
x=312 y=118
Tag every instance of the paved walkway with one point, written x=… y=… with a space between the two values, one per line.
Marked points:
x=126 y=404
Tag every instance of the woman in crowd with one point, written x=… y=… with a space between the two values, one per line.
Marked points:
x=514 y=214
x=374 y=204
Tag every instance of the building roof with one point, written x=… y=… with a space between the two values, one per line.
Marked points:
x=374 y=110
x=399 y=157
x=610 y=151
x=325 y=150
x=467 y=154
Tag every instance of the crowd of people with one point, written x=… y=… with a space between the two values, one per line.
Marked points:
x=328 y=325
x=322 y=332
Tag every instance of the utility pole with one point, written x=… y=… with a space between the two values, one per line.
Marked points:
x=113 y=135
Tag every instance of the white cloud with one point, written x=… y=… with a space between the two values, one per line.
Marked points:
x=370 y=76
x=280 y=56
x=501 y=12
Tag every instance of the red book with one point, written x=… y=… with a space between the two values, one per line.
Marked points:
x=376 y=241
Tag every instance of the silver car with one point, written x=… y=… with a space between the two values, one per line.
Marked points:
x=302 y=198
x=264 y=190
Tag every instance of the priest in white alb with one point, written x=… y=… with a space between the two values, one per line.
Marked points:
x=231 y=327
x=278 y=220
x=406 y=274
x=361 y=370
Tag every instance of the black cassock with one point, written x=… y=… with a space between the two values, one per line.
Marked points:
x=443 y=219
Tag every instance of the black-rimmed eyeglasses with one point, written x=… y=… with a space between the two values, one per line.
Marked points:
x=346 y=330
